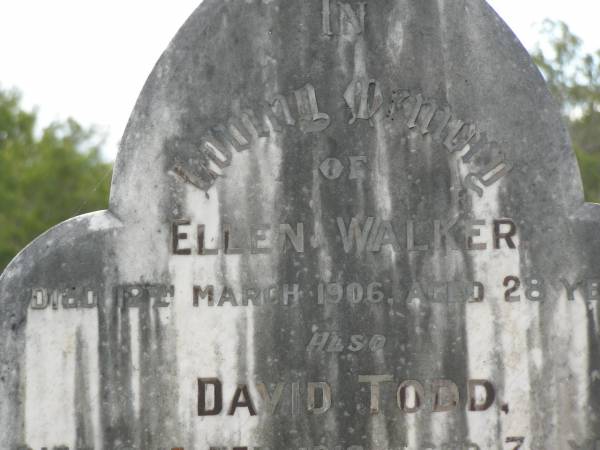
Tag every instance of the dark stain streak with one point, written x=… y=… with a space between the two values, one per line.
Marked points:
x=83 y=405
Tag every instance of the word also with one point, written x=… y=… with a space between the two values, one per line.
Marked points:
x=333 y=343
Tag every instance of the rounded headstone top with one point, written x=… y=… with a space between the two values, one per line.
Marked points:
x=233 y=57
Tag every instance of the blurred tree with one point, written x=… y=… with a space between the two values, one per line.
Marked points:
x=44 y=179
x=574 y=78
x=590 y=170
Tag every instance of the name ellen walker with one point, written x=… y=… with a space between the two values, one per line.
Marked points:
x=356 y=235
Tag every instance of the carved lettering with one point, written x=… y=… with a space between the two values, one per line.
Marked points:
x=311 y=120
x=242 y=399
x=425 y=117
x=489 y=175
x=446 y=397
x=280 y=110
x=333 y=343
x=217 y=397
x=373 y=234
x=351 y=22
x=315 y=407
x=481 y=395
x=178 y=236
x=374 y=382
x=364 y=98
x=326 y=14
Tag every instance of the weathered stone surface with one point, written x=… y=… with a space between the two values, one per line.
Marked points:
x=320 y=210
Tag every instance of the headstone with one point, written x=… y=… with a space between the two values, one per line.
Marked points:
x=333 y=225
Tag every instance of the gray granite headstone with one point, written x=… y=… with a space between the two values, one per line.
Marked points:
x=333 y=225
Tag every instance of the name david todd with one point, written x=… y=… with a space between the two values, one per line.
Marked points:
x=381 y=392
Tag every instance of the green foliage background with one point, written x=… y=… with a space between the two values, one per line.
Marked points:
x=573 y=76
x=48 y=178
x=44 y=179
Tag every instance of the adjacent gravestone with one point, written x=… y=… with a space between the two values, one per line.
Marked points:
x=333 y=225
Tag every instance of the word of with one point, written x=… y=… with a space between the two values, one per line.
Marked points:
x=333 y=168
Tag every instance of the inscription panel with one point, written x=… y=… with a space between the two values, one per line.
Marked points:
x=329 y=229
